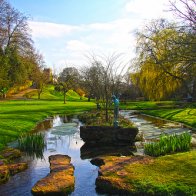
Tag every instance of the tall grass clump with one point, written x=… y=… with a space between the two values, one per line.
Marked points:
x=169 y=144
x=32 y=144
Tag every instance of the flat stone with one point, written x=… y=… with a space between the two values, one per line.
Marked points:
x=60 y=180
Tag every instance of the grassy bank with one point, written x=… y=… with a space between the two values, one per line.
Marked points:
x=167 y=175
x=176 y=111
x=22 y=115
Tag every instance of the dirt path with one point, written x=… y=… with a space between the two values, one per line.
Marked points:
x=21 y=94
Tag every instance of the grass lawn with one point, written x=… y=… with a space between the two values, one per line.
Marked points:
x=185 y=115
x=175 y=111
x=22 y=115
x=167 y=175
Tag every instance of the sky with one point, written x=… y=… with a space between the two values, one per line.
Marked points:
x=65 y=31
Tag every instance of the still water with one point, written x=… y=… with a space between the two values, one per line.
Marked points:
x=150 y=128
x=61 y=138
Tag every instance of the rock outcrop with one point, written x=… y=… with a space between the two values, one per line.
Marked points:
x=60 y=180
x=105 y=135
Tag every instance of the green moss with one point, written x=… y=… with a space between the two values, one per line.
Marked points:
x=167 y=175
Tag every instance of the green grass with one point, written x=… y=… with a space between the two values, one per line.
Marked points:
x=166 y=175
x=168 y=144
x=50 y=94
x=21 y=116
x=176 y=111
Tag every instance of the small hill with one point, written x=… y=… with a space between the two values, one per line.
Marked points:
x=50 y=94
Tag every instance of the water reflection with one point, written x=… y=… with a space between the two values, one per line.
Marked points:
x=62 y=137
x=89 y=152
x=151 y=128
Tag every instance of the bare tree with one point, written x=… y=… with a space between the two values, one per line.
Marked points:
x=104 y=78
x=186 y=11
x=14 y=31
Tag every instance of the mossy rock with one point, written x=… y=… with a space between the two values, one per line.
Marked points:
x=4 y=173
x=143 y=175
x=10 y=154
x=17 y=167
x=60 y=181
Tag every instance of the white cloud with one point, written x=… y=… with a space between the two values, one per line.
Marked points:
x=47 y=30
x=76 y=45
x=147 y=9
x=67 y=44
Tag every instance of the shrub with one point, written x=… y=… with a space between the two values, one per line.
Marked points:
x=169 y=144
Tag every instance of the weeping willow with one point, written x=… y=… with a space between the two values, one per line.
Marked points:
x=154 y=83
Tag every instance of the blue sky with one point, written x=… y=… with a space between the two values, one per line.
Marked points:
x=64 y=31
x=70 y=11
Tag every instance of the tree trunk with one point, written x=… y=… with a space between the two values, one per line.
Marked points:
x=106 y=110
x=39 y=94
x=194 y=90
x=4 y=95
x=64 y=94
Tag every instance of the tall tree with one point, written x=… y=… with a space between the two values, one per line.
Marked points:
x=17 y=54
x=68 y=79
x=165 y=58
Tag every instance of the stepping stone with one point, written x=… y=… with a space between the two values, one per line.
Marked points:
x=60 y=180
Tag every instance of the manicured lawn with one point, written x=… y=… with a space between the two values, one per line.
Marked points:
x=22 y=115
x=176 y=111
x=186 y=115
x=166 y=175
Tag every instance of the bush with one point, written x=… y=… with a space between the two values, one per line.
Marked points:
x=169 y=144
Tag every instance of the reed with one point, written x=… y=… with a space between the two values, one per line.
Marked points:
x=168 y=144
x=32 y=144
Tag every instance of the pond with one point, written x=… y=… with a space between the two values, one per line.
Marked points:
x=60 y=140
x=62 y=135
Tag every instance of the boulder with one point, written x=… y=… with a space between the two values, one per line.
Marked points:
x=60 y=180
x=106 y=135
